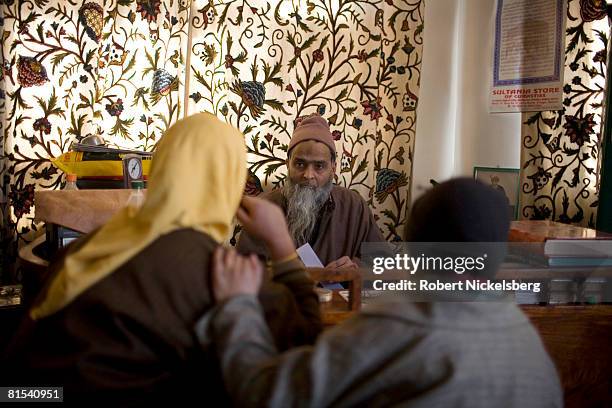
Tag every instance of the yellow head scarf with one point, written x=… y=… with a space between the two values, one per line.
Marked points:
x=197 y=180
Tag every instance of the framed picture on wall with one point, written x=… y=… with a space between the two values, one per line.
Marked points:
x=505 y=180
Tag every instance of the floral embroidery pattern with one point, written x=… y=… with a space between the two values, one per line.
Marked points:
x=70 y=69
x=561 y=149
x=355 y=63
x=124 y=69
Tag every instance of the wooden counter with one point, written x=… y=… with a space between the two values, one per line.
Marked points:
x=578 y=338
x=80 y=210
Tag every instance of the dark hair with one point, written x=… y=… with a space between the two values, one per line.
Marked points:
x=461 y=210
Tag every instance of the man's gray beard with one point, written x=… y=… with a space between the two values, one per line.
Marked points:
x=303 y=206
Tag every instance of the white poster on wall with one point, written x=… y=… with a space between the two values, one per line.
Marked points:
x=528 y=56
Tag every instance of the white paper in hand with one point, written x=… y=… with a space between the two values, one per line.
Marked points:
x=309 y=257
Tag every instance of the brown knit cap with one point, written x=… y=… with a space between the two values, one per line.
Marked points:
x=312 y=127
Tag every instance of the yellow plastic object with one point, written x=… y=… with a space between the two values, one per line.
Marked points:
x=91 y=165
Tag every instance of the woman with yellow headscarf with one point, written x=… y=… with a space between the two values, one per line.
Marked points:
x=115 y=322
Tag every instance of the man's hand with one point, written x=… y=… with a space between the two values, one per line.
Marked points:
x=234 y=275
x=343 y=263
x=266 y=221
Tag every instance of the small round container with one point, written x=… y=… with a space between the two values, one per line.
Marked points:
x=93 y=140
x=325 y=295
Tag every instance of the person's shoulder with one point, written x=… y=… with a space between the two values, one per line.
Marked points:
x=182 y=249
x=343 y=194
x=275 y=196
x=395 y=318
x=271 y=194
x=184 y=239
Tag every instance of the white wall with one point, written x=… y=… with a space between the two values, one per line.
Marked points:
x=455 y=131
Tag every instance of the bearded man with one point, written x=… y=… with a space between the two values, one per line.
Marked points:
x=332 y=219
